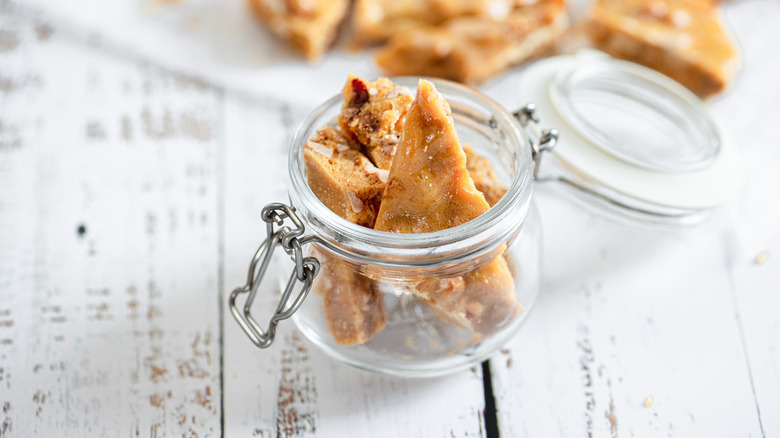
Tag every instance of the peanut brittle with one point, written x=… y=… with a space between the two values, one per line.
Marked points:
x=428 y=188
x=683 y=39
x=374 y=114
x=310 y=25
x=484 y=177
x=342 y=177
x=470 y=49
x=378 y=20
x=354 y=311
x=351 y=186
x=482 y=300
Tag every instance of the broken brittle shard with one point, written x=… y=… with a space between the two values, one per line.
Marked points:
x=473 y=48
x=351 y=186
x=685 y=40
x=310 y=26
x=354 y=310
x=485 y=179
x=430 y=189
x=482 y=300
x=373 y=115
x=377 y=20
x=342 y=177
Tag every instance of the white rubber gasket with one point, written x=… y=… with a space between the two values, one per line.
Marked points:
x=698 y=189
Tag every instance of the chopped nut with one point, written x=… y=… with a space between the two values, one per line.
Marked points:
x=761 y=257
x=354 y=202
x=680 y=18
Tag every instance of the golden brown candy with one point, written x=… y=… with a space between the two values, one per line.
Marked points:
x=429 y=188
x=354 y=310
x=683 y=39
x=342 y=177
x=373 y=115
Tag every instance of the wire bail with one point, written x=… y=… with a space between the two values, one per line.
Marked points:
x=542 y=140
x=306 y=269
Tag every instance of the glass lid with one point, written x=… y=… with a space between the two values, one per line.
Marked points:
x=631 y=115
x=630 y=140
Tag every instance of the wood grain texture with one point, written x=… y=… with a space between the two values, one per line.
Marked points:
x=108 y=303
x=292 y=389
x=130 y=196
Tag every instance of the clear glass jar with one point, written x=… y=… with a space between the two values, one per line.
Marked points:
x=427 y=304
x=417 y=339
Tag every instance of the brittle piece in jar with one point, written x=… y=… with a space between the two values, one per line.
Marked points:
x=482 y=300
x=309 y=25
x=484 y=177
x=429 y=188
x=374 y=114
x=473 y=48
x=342 y=177
x=353 y=309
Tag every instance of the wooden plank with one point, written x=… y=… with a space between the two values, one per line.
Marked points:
x=108 y=243
x=292 y=389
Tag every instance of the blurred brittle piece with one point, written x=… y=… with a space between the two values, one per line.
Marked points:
x=375 y=21
x=471 y=49
x=308 y=25
x=683 y=39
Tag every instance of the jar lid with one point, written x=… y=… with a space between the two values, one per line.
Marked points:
x=631 y=139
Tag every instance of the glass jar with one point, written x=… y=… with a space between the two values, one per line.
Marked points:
x=412 y=304
x=635 y=145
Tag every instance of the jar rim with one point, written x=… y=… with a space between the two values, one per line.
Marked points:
x=483 y=233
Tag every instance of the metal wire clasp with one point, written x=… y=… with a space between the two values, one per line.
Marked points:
x=542 y=140
x=306 y=269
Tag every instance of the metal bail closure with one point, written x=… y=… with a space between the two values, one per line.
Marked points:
x=542 y=140
x=306 y=269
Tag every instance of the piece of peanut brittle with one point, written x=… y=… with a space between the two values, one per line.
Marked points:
x=373 y=115
x=429 y=189
x=471 y=49
x=377 y=20
x=354 y=310
x=310 y=26
x=342 y=177
x=351 y=186
x=482 y=300
x=485 y=179
x=683 y=39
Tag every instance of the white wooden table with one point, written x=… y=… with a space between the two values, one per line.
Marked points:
x=130 y=193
